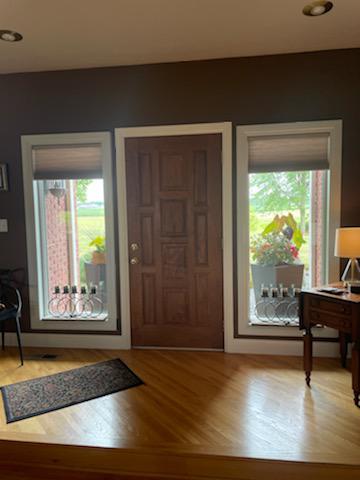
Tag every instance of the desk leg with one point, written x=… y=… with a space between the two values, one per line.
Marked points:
x=356 y=371
x=343 y=340
x=308 y=354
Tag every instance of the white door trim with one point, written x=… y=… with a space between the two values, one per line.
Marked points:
x=225 y=129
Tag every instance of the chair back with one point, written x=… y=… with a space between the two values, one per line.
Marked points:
x=10 y=297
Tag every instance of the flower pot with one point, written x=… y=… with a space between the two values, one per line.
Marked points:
x=275 y=275
x=98 y=258
x=96 y=276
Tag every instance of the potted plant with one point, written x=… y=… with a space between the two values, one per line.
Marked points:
x=98 y=255
x=276 y=254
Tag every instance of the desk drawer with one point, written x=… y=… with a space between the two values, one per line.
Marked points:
x=332 y=321
x=341 y=308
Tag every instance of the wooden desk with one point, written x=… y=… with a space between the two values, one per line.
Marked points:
x=341 y=312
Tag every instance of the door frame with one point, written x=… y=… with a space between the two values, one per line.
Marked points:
x=225 y=129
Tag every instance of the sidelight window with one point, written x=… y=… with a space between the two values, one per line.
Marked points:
x=72 y=215
x=286 y=221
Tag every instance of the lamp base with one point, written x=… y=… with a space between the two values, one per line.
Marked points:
x=351 y=273
x=351 y=276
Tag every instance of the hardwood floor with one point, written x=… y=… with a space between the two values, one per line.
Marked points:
x=199 y=404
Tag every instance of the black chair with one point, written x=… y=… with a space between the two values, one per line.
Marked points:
x=10 y=309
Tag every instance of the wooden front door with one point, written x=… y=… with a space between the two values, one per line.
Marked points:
x=175 y=240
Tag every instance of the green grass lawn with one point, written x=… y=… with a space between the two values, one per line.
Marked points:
x=90 y=212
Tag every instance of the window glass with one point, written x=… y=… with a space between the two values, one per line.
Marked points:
x=287 y=219
x=72 y=230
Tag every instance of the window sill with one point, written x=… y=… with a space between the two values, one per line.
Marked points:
x=259 y=323
x=292 y=323
x=101 y=318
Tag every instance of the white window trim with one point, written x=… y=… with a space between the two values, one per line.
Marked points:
x=28 y=142
x=334 y=129
x=225 y=129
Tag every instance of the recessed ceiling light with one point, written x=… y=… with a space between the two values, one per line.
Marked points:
x=10 y=36
x=315 y=9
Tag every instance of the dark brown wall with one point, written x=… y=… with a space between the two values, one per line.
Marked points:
x=282 y=88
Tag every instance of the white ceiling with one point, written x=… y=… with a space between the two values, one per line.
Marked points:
x=66 y=34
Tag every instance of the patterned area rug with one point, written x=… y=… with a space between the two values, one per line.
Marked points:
x=45 y=394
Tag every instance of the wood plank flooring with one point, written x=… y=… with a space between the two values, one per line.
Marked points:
x=203 y=403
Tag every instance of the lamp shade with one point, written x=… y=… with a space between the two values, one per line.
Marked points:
x=347 y=242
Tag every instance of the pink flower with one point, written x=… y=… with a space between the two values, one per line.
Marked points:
x=294 y=251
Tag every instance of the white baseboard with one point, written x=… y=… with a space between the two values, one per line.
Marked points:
x=281 y=347
x=117 y=342
x=105 y=342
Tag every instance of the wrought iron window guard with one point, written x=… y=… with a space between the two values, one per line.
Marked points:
x=70 y=303
x=278 y=305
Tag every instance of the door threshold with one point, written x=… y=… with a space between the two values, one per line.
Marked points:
x=178 y=348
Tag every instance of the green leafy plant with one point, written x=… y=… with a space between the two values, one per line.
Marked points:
x=98 y=243
x=82 y=186
x=286 y=224
x=279 y=243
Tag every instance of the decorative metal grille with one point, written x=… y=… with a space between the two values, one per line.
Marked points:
x=278 y=305
x=68 y=303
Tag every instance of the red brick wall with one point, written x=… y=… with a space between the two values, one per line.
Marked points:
x=318 y=226
x=75 y=233
x=57 y=245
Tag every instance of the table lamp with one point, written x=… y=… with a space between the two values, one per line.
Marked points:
x=347 y=245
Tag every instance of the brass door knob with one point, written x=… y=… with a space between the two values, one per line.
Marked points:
x=134 y=261
x=134 y=247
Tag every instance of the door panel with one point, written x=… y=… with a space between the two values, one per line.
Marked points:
x=175 y=219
